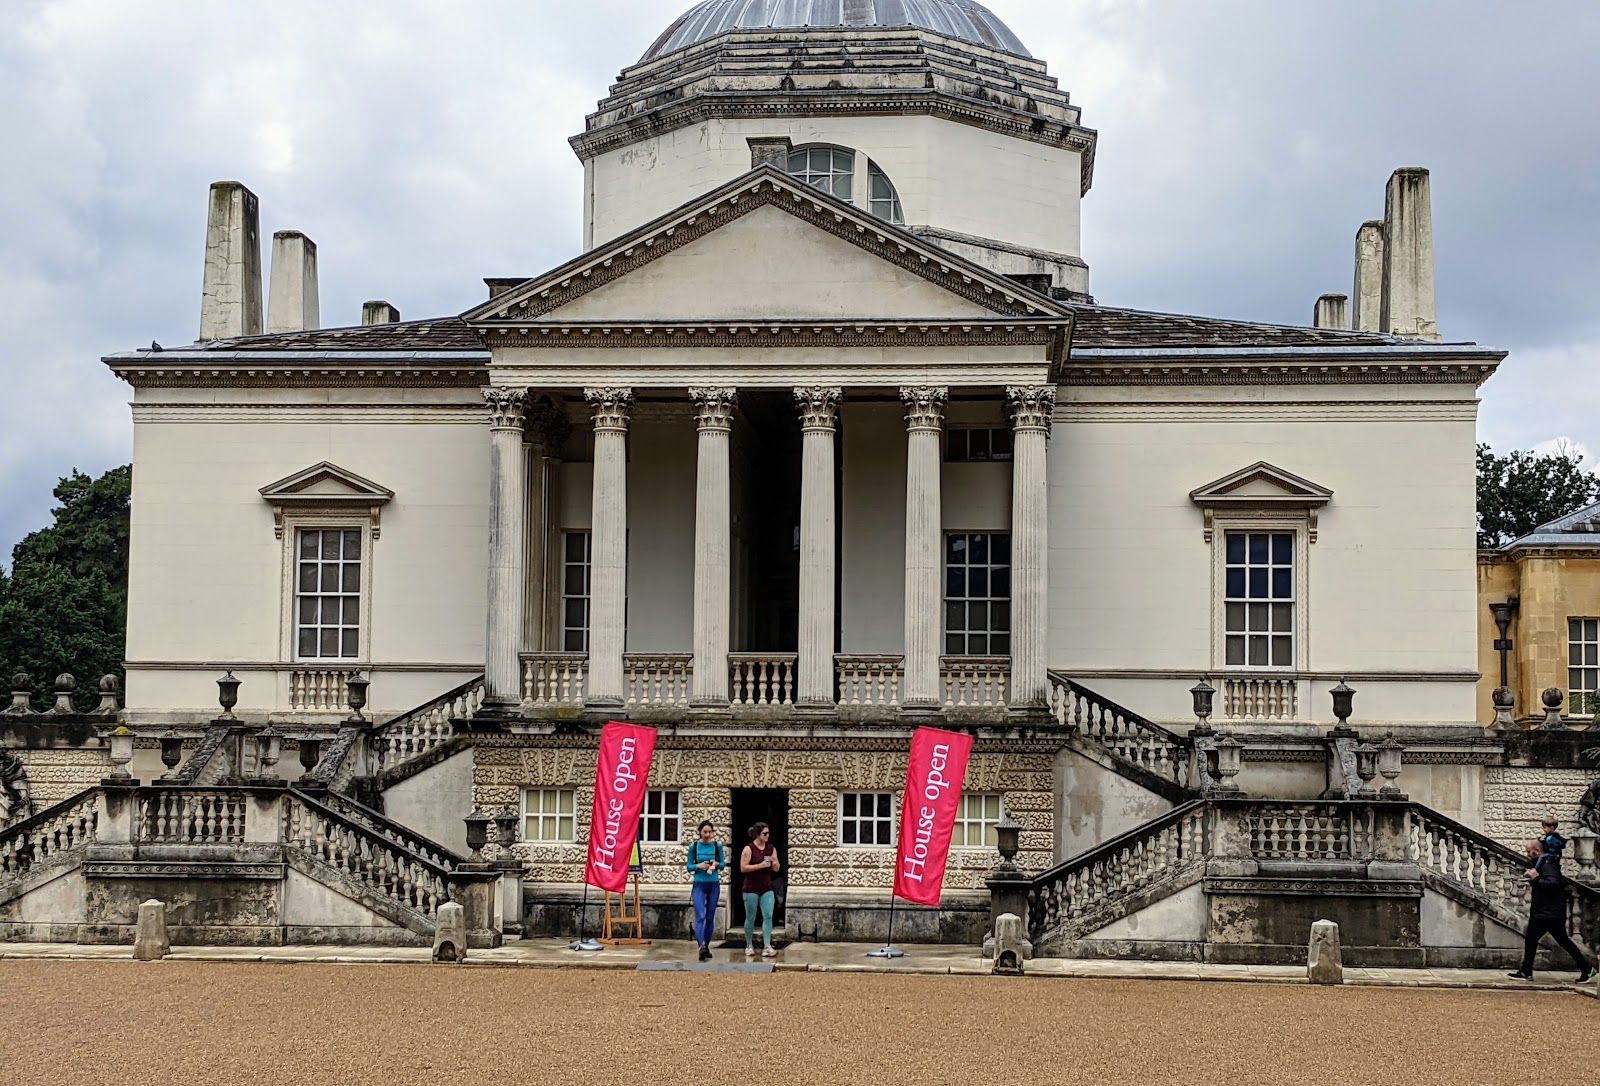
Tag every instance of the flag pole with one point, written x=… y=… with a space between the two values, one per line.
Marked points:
x=580 y=943
x=888 y=950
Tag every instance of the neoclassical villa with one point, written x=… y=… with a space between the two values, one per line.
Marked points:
x=825 y=434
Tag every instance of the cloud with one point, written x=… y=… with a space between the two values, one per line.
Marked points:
x=422 y=144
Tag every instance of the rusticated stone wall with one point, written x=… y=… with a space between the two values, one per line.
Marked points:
x=815 y=771
x=1517 y=798
x=55 y=775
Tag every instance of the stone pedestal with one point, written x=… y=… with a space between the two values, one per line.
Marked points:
x=1324 y=962
x=1008 y=942
x=150 y=942
x=450 y=937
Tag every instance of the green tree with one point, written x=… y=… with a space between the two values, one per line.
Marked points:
x=1522 y=490
x=64 y=606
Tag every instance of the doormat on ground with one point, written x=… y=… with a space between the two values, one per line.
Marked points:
x=738 y=944
x=705 y=967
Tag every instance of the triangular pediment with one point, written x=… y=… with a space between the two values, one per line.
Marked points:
x=323 y=482
x=1262 y=484
x=766 y=248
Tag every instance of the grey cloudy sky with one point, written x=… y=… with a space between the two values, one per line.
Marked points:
x=422 y=144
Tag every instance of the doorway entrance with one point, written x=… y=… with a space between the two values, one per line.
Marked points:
x=749 y=806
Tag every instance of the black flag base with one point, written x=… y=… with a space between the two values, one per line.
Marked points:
x=580 y=943
x=888 y=950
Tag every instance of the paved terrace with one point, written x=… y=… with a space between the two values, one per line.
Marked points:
x=920 y=960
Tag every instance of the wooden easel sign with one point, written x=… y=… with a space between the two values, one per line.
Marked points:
x=619 y=916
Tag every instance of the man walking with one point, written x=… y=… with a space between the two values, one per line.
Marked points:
x=1548 y=916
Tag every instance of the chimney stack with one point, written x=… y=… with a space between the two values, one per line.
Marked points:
x=379 y=313
x=1408 y=299
x=1367 y=308
x=770 y=151
x=292 y=301
x=1333 y=311
x=230 y=300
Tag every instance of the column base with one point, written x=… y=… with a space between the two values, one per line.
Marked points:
x=815 y=708
x=920 y=708
x=602 y=703
x=710 y=706
x=1034 y=713
x=496 y=713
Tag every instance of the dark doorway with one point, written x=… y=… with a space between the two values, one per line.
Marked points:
x=752 y=805
x=776 y=508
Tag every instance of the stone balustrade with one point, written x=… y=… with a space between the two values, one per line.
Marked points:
x=189 y=816
x=1121 y=731
x=975 y=682
x=1310 y=831
x=365 y=857
x=1260 y=697
x=415 y=733
x=319 y=690
x=869 y=681
x=554 y=679
x=761 y=680
x=37 y=841
x=658 y=680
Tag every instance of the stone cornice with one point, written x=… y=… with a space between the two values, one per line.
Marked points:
x=1543 y=550
x=764 y=186
x=902 y=103
x=1306 y=370
x=226 y=370
x=699 y=335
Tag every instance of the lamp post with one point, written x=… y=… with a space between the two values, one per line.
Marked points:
x=1503 y=697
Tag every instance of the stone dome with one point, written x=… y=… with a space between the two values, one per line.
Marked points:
x=961 y=19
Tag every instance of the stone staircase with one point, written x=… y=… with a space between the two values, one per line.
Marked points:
x=1235 y=879
x=236 y=863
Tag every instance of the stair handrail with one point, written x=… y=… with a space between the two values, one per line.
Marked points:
x=88 y=798
x=1171 y=749
x=346 y=810
x=1044 y=906
x=382 y=738
x=373 y=837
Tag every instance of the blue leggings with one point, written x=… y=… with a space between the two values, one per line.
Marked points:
x=766 y=902
x=705 y=910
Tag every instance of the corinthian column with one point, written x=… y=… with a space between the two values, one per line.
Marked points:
x=1031 y=411
x=507 y=504
x=608 y=587
x=819 y=418
x=712 y=546
x=924 y=548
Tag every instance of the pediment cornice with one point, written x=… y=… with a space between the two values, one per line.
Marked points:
x=764 y=186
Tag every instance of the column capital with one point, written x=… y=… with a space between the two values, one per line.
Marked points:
x=819 y=407
x=1032 y=407
x=505 y=406
x=713 y=408
x=611 y=407
x=924 y=407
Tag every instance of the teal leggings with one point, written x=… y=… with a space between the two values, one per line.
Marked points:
x=751 y=901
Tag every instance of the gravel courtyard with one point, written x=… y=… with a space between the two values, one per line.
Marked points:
x=133 y=1023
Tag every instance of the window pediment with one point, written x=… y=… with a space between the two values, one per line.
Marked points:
x=1262 y=489
x=326 y=489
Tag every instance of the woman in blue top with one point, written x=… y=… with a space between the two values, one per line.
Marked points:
x=706 y=862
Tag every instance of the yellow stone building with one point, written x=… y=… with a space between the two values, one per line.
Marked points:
x=1550 y=579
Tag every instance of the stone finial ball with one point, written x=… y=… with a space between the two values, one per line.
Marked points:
x=1552 y=698
x=66 y=683
x=21 y=681
x=108 y=684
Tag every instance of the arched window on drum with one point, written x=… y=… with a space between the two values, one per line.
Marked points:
x=884 y=200
x=831 y=169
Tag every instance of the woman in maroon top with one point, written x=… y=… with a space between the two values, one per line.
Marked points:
x=758 y=863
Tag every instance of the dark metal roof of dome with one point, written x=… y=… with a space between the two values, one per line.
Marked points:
x=961 y=19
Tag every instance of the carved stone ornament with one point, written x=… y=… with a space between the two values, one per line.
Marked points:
x=819 y=407
x=14 y=804
x=924 y=407
x=505 y=407
x=611 y=407
x=714 y=407
x=1031 y=407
